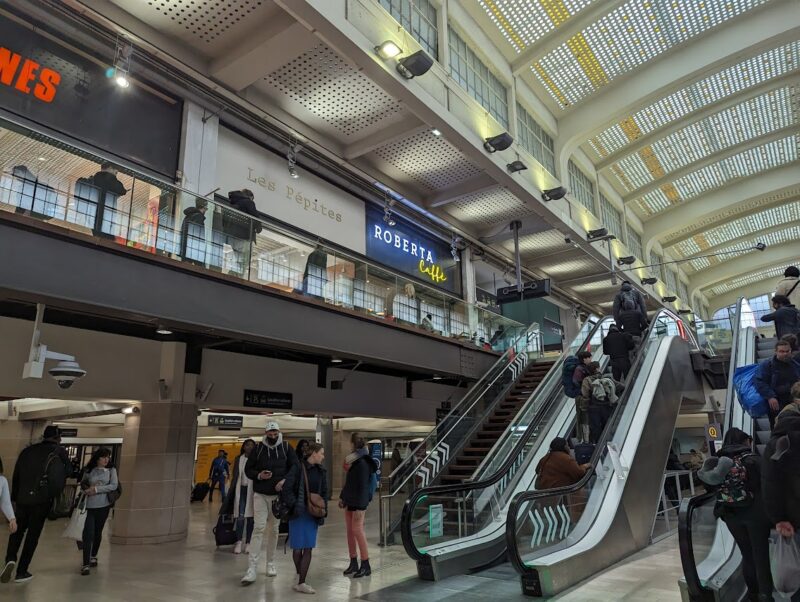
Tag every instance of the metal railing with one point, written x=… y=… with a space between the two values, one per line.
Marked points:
x=666 y=516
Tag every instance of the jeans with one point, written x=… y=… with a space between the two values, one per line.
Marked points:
x=263 y=519
x=93 y=532
x=30 y=521
x=221 y=482
x=241 y=519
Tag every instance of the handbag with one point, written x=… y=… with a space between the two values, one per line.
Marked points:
x=280 y=509
x=315 y=503
x=113 y=496
x=74 y=529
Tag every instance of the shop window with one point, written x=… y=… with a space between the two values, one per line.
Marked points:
x=417 y=17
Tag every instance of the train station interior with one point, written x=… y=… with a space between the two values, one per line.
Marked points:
x=389 y=235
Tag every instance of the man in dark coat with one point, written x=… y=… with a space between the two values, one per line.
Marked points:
x=786 y=316
x=628 y=298
x=617 y=345
x=109 y=189
x=774 y=379
x=239 y=229
x=193 y=232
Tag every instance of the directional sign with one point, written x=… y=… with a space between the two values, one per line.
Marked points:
x=436 y=521
x=713 y=431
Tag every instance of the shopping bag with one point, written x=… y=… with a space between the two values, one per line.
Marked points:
x=784 y=559
x=749 y=397
x=74 y=529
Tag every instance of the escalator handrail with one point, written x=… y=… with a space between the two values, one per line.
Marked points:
x=524 y=497
x=482 y=385
x=730 y=396
x=405 y=521
x=695 y=587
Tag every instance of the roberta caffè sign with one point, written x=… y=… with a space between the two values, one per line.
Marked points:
x=411 y=250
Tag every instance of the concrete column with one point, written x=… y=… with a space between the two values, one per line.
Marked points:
x=324 y=435
x=340 y=449
x=470 y=294
x=198 y=157
x=158 y=459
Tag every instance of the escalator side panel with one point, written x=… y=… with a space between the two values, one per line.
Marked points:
x=633 y=516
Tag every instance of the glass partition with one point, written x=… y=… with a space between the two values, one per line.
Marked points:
x=61 y=185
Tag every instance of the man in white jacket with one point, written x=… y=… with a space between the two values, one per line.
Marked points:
x=790 y=285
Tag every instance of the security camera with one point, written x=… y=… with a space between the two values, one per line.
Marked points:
x=66 y=373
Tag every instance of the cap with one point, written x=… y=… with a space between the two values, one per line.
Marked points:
x=272 y=426
x=51 y=432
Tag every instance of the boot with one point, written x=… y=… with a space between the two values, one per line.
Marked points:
x=364 y=571
x=353 y=568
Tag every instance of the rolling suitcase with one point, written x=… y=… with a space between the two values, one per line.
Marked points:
x=225 y=531
x=200 y=492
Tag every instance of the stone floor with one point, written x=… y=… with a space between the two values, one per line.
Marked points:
x=195 y=571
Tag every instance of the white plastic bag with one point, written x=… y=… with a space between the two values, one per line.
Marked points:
x=784 y=557
x=74 y=529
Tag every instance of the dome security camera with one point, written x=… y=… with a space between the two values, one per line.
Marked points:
x=66 y=373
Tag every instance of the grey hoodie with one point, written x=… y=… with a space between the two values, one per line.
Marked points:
x=104 y=480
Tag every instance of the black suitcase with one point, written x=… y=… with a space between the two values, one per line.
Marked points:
x=200 y=492
x=583 y=452
x=225 y=531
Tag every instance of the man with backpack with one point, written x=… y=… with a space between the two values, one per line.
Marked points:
x=774 y=379
x=735 y=475
x=786 y=317
x=573 y=372
x=629 y=299
x=600 y=391
x=267 y=466
x=40 y=475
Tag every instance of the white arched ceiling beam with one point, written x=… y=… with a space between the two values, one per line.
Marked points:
x=726 y=45
x=711 y=159
x=778 y=185
x=561 y=35
x=753 y=261
x=752 y=237
x=765 y=286
x=708 y=110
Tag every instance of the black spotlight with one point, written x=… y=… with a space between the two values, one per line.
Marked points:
x=415 y=64
x=650 y=280
x=669 y=299
x=554 y=194
x=498 y=143
x=516 y=166
x=684 y=311
x=629 y=260
x=760 y=246
x=599 y=233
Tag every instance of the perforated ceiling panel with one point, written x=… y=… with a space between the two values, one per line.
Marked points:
x=429 y=160
x=488 y=207
x=328 y=86
x=573 y=265
x=204 y=24
x=732 y=251
x=751 y=278
x=543 y=242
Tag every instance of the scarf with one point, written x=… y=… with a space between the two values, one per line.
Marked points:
x=353 y=456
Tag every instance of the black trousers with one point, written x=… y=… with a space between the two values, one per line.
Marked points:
x=598 y=417
x=750 y=529
x=30 y=522
x=93 y=532
x=620 y=366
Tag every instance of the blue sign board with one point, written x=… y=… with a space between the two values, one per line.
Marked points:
x=409 y=249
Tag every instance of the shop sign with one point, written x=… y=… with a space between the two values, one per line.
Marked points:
x=410 y=250
x=267 y=399
x=68 y=432
x=226 y=420
x=45 y=81
x=308 y=202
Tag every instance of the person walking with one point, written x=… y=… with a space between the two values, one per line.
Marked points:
x=39 y=477
x=5 y=501
x=306 y=486
x=786 y=317
x=789 y=286
x=618 y=345
x=354 y=499
x=109 y=189
x=628 y=298
x=193 y=234
x=99 y=479
x=218 y=474
x=774 y=379
x=267 y=467
x=239 y=502
x=735 y=475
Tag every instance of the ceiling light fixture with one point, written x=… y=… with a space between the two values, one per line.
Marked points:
x=629 y=260
x=436 y=133
x=649 y=280
x=415 y=64
x=336 y=360
x=122 y=64
x=291 y=158
x=684 y=311
x=388 y=218
x=388 y=50
x=516 y=166
x=760 y=246
x=498 y=143
x=669 y=299
x=554 y=194
x=131 y=410
x=597 y=233
x=163 y=330
x=437 y=377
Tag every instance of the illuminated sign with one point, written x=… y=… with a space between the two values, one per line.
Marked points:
x=27 y=76
x=409 y=249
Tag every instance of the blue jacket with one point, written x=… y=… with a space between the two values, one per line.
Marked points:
x=774 y=380
x=219 y=469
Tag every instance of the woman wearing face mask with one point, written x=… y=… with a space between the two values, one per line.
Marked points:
x=354 y=499
x=239 y=501
x=99 y=479
x=307 y=477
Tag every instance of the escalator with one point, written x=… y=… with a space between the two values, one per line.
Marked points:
x=710 y=559
x=557 y=538
x=458 y=526
x=465 y=435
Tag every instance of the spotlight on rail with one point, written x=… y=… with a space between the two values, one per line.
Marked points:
x=554 y=194
x=598 y=233
x=415 y=64
x=669 y=299
x=629 y=260
x=650 y=280
x=498 y=143
x=760 y=246
x=388 y=50
x=516 y=166
x=684 y=311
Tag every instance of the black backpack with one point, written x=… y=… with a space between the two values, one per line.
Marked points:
x=628 y=300
x=52 y=480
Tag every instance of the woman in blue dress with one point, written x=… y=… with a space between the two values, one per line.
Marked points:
x=302 y=525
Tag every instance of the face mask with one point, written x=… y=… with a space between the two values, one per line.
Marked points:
x=272 y=440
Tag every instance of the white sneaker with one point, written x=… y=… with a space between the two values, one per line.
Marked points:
x=271 y=570
x=304 y=588
x=249 y=577
x=237 y=549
